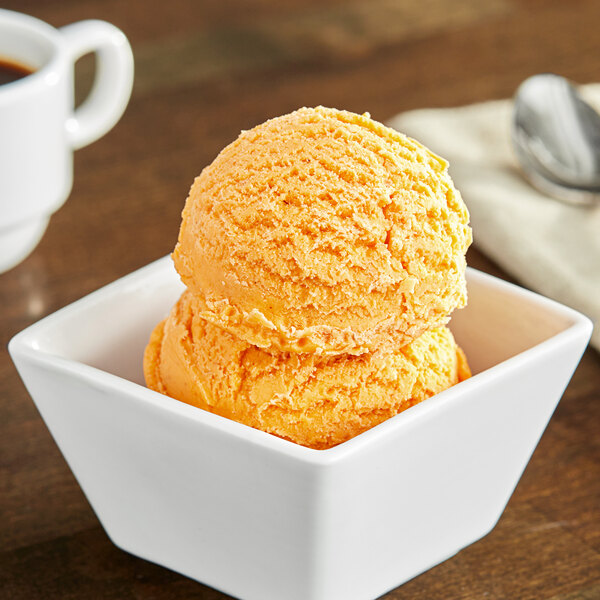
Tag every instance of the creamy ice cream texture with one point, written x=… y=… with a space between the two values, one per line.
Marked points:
x=312 y=399
x=323 y=230
x=323 y=254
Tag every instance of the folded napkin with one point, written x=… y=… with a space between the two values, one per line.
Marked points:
x=550 y=247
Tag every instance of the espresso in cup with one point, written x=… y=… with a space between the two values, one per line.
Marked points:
x=11 y=70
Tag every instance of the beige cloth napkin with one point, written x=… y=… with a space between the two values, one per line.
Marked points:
x=550 y=247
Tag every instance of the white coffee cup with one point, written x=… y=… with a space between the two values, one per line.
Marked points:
x=39 y=128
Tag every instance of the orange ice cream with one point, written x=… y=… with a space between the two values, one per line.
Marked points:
x=324 y=231
x=312 y=399
x=323 y=254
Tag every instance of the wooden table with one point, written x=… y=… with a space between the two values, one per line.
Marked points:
x=206 y=70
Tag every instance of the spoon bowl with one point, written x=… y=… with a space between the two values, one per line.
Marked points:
x=556 y=136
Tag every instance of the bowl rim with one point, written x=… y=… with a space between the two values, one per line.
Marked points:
x=25 y=346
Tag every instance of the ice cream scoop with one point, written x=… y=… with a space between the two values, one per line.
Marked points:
x=314 y=400
x=324 y=231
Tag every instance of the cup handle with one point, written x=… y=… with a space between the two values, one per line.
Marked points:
x=114 y=79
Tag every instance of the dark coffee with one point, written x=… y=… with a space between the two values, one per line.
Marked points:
x=11 y=70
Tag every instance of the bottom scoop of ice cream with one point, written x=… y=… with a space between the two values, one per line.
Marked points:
x=314 y=400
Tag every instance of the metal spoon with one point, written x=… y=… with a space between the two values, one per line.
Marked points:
x=556 y=136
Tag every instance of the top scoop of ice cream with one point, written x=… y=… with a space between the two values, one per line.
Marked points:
x=325 y=231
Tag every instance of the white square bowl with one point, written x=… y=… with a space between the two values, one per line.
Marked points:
x=261 y=518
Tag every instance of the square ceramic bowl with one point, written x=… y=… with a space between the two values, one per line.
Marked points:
x=261 y=518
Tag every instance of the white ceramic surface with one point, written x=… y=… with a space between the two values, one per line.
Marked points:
x=39 y=129
x=262 y=518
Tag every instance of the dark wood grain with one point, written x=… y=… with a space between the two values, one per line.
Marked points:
x=206 y=70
